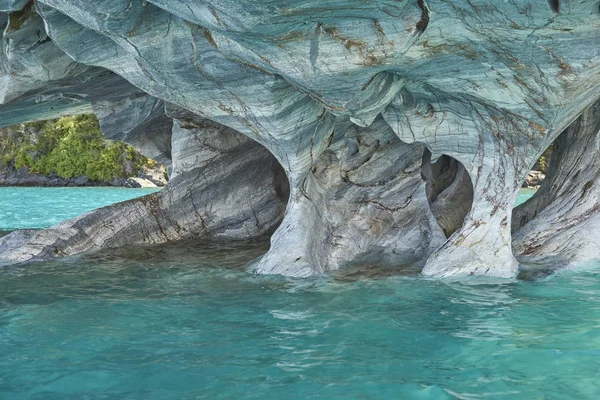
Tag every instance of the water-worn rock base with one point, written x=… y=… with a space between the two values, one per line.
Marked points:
x=363 y=203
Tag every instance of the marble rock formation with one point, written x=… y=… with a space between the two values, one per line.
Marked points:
x=197 y=202
x=379 y=133
x=558 y=225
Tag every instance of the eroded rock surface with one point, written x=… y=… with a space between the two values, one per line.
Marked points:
x=559 y=224
x=363 y=202
x=405 y=129
x=197 y=203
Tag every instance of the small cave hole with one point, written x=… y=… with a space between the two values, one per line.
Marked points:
x=534 y=179
x=281 y=182
x=554 y=5
x=449 y=191
x=536 y=191
x=424 y=21
x=271 y=173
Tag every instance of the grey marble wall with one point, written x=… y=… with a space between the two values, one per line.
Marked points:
x=355 y=100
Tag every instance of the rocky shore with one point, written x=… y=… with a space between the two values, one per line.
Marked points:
x=146 y=178
x=534 y=179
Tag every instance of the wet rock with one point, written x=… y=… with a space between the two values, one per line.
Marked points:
x=119 y=182
x=81 y=181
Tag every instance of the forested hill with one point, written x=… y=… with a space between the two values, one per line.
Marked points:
x=66 y=151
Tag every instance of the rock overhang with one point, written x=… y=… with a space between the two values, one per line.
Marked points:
x=490 y=85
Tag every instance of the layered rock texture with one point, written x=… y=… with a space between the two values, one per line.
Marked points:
x=373 y=133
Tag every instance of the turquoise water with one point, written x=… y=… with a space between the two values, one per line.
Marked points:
x=31 y=207
x=187 y=322
x=524 y=195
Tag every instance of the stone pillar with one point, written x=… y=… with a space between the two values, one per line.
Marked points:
x=496 y=149
x=363 y=203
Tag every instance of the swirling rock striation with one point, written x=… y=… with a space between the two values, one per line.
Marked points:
x=197 y=202
x=404 y=129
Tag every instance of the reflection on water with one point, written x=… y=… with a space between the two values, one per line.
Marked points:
x=187 y=321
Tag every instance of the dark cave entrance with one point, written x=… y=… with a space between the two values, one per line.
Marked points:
x=449 y=191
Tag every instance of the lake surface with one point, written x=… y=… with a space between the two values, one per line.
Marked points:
x=187 y=322
x=34 y=207
x=524 y=195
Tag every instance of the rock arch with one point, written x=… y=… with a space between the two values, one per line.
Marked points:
x=555 y=227
x=321 y=93
x=198 y=202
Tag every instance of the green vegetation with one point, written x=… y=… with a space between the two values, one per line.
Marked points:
x=543 y=160
x=68 y=147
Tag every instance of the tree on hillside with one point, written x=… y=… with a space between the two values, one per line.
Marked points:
x=68 y=147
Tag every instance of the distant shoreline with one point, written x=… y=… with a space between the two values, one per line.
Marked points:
x=10 y=177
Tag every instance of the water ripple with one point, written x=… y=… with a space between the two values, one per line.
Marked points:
x=187 y=321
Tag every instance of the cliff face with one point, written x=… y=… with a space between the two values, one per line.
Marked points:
x=404 y=128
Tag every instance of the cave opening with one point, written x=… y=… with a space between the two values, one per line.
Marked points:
x=559 y=172
x=449 y=191
x=72 y=151
x=552 y=228
x=281 y=182
x=535 y=177
x=39 y=160
x=227 y=187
